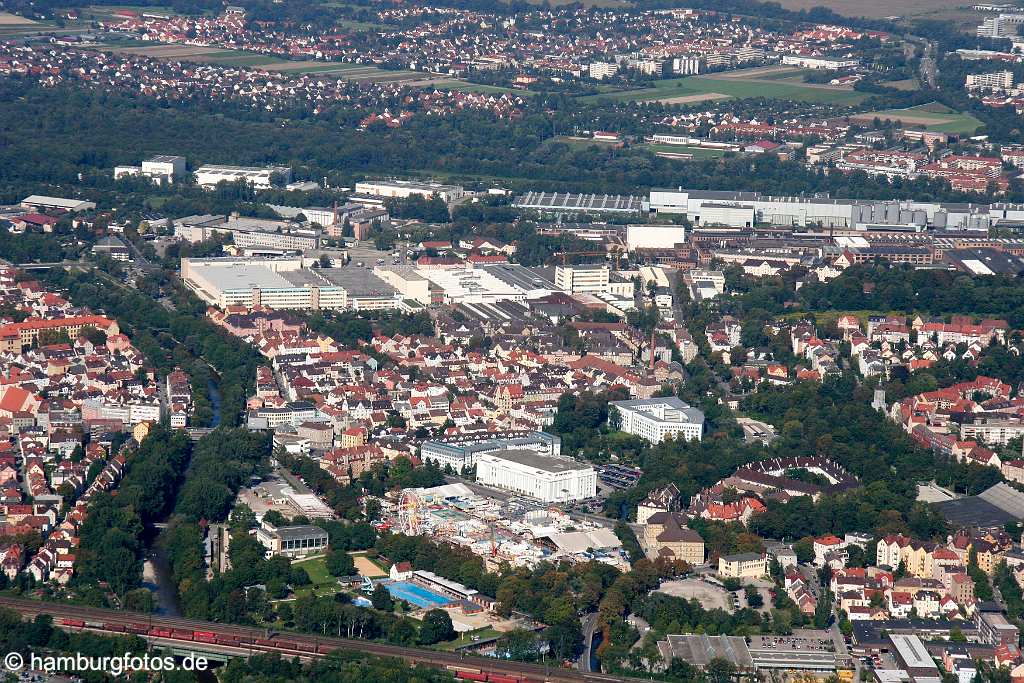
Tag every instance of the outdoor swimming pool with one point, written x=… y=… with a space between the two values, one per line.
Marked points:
x=416 y=595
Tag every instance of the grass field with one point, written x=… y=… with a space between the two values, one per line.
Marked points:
x=322 y=581
x=933 y=116
x=742 y=84
x=478 y=88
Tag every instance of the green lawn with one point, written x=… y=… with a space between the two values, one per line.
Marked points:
x=738 y=88
x=322 y=583
x=932 y=116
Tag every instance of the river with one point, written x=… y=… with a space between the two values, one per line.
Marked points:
x=156 y=576
x=214 y=391
x=156 y=572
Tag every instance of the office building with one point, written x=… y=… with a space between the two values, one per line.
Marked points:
x=403 y=189
x=547 y=478
x=292 y=541
x=743 y=566
x=261 y=178
x=586 y=279
x=463 y=452
x=655 y=419
x=249 y=233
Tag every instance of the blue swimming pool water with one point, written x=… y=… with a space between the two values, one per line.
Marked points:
x=416 y=595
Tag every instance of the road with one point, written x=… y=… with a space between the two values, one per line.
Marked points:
x=588 y=628
x=244 y=640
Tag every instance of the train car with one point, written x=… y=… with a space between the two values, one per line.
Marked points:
x=204 y=636
x=77 y=623
x=470 y=676
x=286 y=645
x=262 y=642
x=224 y=640
x=95 y=624
x=305 y=648
x=247 y=640
x=138 y=628
x=157 y=632
x=495 y=678
x=118 y=628
x=181 y=635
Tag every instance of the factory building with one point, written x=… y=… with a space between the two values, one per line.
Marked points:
x=654 y=236
x=162 y=169
x=403 y=189
x=286 y=284
x=261 y=178
x=39 y=202
x=743 y=209
x=546 y=478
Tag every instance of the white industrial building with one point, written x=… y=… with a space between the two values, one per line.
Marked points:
x=546 y=478
x=260 y=177
x=656 y=418
x=827 y=63
x=472 y=285
x=162 y=169
x=654 y=236
x=286 y=284
x=464 y=451
x=41 y=202
x=587 y=278
x=739 y=209
x=403 y=189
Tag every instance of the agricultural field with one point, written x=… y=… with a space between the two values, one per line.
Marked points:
x=770 y=82
x=874 y=9
x=8 y=19
x=226 y=57
x=935 y=117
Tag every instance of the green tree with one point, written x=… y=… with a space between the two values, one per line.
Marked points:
x=436 y=627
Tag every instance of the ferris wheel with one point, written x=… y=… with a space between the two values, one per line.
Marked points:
x=410 y=513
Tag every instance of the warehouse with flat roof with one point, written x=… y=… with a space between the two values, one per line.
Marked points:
x=544 y=477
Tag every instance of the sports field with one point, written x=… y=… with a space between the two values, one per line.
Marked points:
x=771 y=82
x=932 y=116
x=697 y=153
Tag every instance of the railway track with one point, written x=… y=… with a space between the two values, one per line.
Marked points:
x=256 y=639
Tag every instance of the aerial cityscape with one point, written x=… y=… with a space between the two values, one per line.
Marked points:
x=511 y=341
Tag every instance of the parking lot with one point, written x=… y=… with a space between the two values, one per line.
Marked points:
x=709 y=595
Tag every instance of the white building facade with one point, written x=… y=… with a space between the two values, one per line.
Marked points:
x=546 y=478
x=656 y=418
